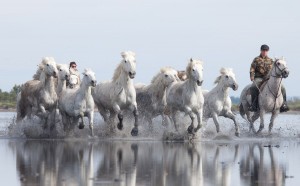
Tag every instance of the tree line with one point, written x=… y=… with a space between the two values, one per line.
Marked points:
x=9 y=99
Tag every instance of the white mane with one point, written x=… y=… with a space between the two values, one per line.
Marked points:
x=190 y=65
x=128 y=55
x=224 y=71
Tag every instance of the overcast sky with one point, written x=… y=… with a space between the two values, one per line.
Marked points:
x=162 y=33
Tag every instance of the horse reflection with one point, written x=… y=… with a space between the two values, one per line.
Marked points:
x=54 y=163
x=72 y=162
x=260 y=167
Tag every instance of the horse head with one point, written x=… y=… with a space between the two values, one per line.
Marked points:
x=280 y=68
x=169 y=75
x=129 y=63
x=194 y=71
x=89 y=78
x=49 y=66
x=63 y=72
x=73 y=81
x=227 y=78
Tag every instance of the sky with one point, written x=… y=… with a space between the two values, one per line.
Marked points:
x=161 y=33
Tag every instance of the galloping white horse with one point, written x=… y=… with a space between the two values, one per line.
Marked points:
x=77 y=103
x=270 y=97
x=39 y=96
x=151 y=99
x=114 y=96
x=217 y=101
x=63 y=77
x=187 y=96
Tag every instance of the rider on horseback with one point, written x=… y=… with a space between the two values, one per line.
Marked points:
x=259 y=73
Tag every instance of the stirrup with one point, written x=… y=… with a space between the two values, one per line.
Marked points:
x=284 y=108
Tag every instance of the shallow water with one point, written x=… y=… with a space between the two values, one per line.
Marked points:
x=146 y=160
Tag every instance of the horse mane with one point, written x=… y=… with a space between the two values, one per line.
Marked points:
x=119 y=69
x=158 y=77
x=190 y=65
x=224 y=71
x=41 y=66
x=117 y=72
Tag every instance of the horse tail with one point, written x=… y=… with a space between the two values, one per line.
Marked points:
x=242 y=111
x=20 y=107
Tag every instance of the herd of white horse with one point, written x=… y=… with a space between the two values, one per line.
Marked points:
x=48 y=97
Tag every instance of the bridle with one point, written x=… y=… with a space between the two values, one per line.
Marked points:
x=276 y=76
x=281 y=71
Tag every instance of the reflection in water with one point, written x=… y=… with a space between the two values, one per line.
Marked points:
x=55 y=162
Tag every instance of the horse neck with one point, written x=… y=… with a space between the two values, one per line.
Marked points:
x=123 y=80
x=84 y=89
x=61 y=86
x=157 y=89
x=221 y=90
x=274 y=85
x=49 y=84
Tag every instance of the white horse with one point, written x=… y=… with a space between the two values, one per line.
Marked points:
x=77 y=103
x=114 y=96
x=63 y=77
x=187 y=96
x=151 y=99
x=39 y=96
x=270 y=98
x=217 y=101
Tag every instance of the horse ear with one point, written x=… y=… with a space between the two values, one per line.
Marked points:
x=191 y=60
x=58 y=66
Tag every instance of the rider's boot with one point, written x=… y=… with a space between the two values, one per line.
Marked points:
x=254 y=97
x=284 y=107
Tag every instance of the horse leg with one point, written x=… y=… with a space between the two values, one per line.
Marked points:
x=274 y=115
x=199 y=117
x=231 y=116
x=103 y=112
x=134 y=131
x=117 y=110
x=173 y=119
x=216 y=121
x=252 y=120
x=261 y=115
x=90 y=115
x=81 y=124
x=189 y=111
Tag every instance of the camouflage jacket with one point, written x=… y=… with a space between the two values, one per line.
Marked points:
x=260 y=67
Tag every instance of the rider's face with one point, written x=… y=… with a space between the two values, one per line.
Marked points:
x=264 y=53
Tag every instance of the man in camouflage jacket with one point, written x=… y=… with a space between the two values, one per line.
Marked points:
x=259 y=71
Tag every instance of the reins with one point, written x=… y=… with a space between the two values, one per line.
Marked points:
x=276 y=76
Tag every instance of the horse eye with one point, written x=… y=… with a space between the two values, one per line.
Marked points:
x=166 y=75
x=47 y=64
x=60 y=70
x=227 y=76
x=125 y=61
x=278 y=63
x=193 y=70
x=86 y=75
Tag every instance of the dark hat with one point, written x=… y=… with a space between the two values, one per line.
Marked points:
x=264 y=47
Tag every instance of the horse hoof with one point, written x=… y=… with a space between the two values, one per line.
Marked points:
x=81 y=126
x=134 y=131
x=120 y=126
x=196 y=129
x=259 y=130
x=190 y=130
